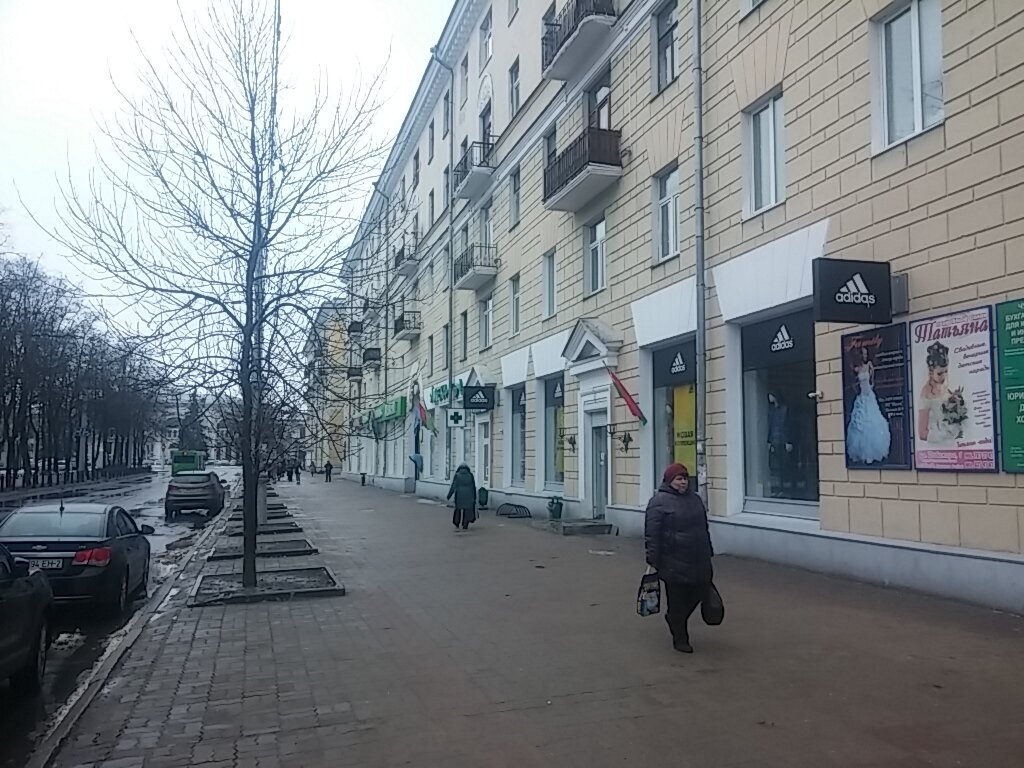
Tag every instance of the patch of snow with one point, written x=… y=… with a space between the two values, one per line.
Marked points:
x=68 y=641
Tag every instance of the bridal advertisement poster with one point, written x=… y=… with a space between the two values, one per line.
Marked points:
x=1010 y=336
x=876 y=406
x=951 y=364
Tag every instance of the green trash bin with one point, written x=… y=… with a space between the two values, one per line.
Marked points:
x=481 y=498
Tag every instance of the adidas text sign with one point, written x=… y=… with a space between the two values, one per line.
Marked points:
x=678 y=364
x=856 y=292
x=479 y=399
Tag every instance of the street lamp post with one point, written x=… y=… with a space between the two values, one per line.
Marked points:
x=450 y=117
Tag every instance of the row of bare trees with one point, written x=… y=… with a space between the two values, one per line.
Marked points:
x=76 y=401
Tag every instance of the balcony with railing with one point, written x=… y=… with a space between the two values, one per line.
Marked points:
x=355 y=327
x=355 y=372
x=585 y=169
x=574 y=38
x=406 y=260
x=476 y=268
x=473 y=171
x=371 y=358
x=371 y=312
x=408 y=326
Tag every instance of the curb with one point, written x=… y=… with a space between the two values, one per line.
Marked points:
x=73 y=710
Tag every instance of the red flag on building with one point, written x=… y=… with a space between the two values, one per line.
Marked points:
x=631 y=404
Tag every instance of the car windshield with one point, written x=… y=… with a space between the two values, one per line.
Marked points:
x=192 y=479
x=54 y=523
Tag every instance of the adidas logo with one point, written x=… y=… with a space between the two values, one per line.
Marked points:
x=678 y=364
x=558 y=391
x=478 y=399
x=855 y=292
x=782 y=340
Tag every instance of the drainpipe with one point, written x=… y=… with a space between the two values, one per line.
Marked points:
x=698 y=219
x=449 y=353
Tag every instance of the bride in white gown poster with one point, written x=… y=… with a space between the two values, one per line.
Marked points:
x=951 y=359
x=875 y=403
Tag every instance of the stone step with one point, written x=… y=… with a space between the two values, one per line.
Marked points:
x=580 y=527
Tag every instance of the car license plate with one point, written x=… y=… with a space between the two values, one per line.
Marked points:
x=50 y=565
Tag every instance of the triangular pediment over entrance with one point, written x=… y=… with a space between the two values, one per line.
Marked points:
x=592 y=345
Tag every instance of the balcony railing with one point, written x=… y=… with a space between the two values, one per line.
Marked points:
x=355 y=372
x=473 y=171
x=408 y=325
x=477 y=266
x=406 y=261
x=371 y=357
x=580 y=26
x=355 y=327
x=595 y=149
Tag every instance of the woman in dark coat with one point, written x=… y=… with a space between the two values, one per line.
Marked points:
x=463 y=488
x=678 y=547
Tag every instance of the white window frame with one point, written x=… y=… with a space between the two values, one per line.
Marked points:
x=880 y=137
x=513 y=89
x=774 y=108
x=513 y=9
x=514 y=299
x=447 y=176
x=486 y=39
x=465 y=335
x=464 y=80
x=431 y=208
x=430 y=143
x=486 y=321
x=446 y=121
x=596 y=267
x=430 y=354
x=664 y=78
x=515 y=187
x=550 y=285
x=487 y=223
x=666 y=204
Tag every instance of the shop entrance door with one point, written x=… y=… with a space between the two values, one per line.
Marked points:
x=483 y=453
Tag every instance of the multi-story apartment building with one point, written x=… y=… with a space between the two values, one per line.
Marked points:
x=326 y=387
x=878 y=131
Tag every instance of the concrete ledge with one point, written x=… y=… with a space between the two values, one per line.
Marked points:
x=985 y=578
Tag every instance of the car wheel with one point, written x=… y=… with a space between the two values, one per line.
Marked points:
x=29 y=678
x=117 y=603
x=142 y=591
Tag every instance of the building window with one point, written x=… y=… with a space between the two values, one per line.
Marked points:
x=554 y=423
x=550 y=292
x=599 y=108
x=402 y=198
x=447 y=118
x=463 y=245
x=447 y=186
x=779 y=419
x=665 y=24
x=486 y=40
x=465 y=335
x=464 y=79
x=513 y=205
x=513 y=88
x=415 y=230
x=430 y=354
x=675 y=406
x=595 y=265
x=551 y=148
x=767 y=155
x=486 y=225
x=513 y=9
x=430 y=142
x=513 y=300
x=416 y=169
x=430 y=208
x=447 y=345
x=486 y=313
x=668 y=214
x=911 y=67
x=518 y=435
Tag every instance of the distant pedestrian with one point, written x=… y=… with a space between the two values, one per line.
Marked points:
x=298 y=473
x=463 y=488
x=290 y=473
x=328 y=469
x=678 y=547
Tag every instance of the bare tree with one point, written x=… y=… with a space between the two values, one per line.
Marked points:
x=224 y=208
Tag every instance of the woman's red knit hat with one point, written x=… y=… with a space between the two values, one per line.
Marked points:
x=672 y=471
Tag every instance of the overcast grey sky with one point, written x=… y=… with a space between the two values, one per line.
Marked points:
x=57 y=58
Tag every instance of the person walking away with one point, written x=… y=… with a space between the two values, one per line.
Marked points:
x=298 y=473
x=677 y=544
x=291 y=473
x=328 y=468
x=463 y=488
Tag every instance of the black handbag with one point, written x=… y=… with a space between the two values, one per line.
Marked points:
x=712 y=609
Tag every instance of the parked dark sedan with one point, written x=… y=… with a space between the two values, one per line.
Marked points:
x=191 y=491
x=25 y=602
x=89 y=552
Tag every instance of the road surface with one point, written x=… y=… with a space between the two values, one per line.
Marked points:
x=81 y=638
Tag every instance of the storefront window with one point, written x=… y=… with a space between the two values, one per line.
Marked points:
x=780 y=420
x=675 y=407
x=435 y=447
x=554 y=421
x=518 y=435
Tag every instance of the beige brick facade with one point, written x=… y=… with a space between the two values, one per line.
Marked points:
x=945 y=207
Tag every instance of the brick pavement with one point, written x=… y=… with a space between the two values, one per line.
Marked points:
x=509 y=646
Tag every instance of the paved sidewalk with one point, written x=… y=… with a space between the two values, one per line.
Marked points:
x=509 y=646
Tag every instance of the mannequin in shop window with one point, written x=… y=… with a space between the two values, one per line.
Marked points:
x=780 y=446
